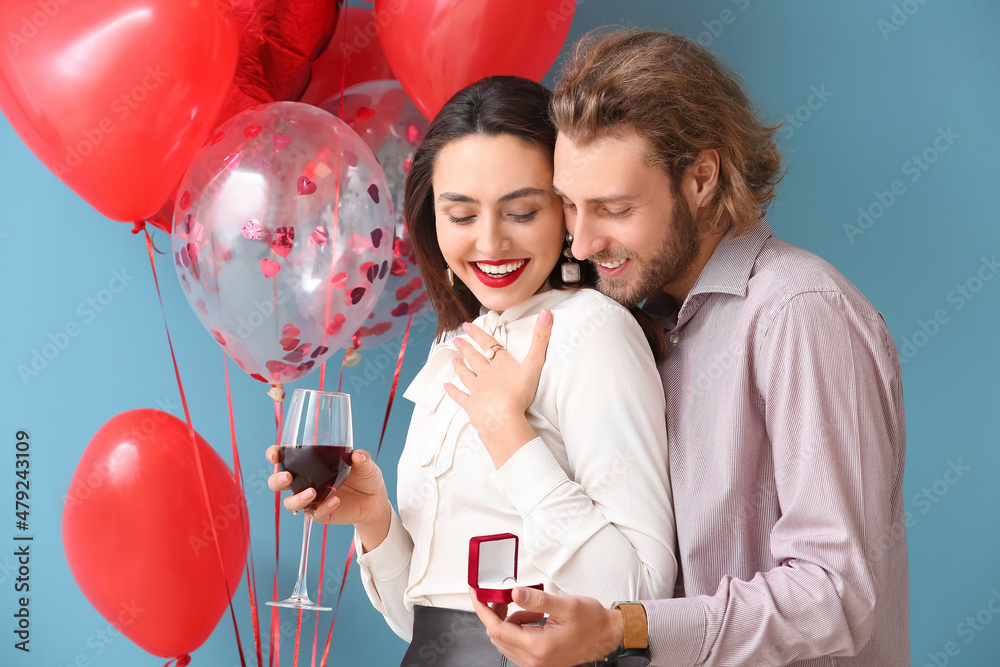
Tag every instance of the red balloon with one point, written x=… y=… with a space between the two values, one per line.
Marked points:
x=279 y=39
x=116 y=96
x=437 y=47
x=353 y=56
x=138 y=538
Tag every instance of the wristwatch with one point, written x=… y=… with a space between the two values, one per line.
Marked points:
x=634 y=651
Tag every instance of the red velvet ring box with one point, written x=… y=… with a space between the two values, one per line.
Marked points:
x=493 y=567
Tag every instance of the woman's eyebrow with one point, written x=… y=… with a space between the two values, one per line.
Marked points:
x=456 y=197
x=522 y=192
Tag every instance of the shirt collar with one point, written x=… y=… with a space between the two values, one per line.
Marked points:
x=728 y=269
x=530 y=306
x=727 y=272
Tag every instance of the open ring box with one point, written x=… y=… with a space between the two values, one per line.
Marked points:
x=493 y=567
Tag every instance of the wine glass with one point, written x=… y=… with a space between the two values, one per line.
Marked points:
x=316 y=444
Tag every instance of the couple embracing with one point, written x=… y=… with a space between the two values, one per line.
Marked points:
x=694 y=428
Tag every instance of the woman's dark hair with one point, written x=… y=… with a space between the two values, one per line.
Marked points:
x=494 y=106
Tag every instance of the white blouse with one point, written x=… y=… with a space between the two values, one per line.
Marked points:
x=594 y=517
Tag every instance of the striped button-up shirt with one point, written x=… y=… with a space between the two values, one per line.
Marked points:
x=786 y=431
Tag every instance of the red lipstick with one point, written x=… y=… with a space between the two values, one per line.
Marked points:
x=493 y=281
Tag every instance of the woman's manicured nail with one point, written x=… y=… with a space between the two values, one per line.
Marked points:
x=466 y=327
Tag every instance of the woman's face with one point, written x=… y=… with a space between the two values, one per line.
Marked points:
x=499 y=225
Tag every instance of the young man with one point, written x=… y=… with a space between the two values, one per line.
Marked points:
x=784 y=403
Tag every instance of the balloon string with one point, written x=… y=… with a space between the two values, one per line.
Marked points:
x=322 y=561
x=347 y=569
x=319 y=594
x=395 y=381
x=274 y=644
x=298 y=634
x=385 y=421
x=343 y=67
x=343 y=365
x=194 y=445
x=251 y=570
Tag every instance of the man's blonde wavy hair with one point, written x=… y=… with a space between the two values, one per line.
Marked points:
x=682 y=100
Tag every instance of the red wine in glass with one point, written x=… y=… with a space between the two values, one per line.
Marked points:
x=320 y=467
x=317 y=438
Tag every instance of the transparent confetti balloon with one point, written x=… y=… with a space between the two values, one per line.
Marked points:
x=283 y=238
x=383 y=115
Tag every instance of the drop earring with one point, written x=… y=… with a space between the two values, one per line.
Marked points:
x=451 y=276
x=570 y=270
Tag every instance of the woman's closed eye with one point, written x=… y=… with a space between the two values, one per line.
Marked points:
x=522 y=217
x=461 y=220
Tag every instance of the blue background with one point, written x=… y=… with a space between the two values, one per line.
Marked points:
x=886 y=95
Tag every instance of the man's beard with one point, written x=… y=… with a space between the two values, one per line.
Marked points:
x=668 y=262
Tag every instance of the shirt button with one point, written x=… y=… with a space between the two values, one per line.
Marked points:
x=674 y=338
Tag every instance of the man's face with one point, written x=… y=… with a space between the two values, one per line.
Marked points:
x=624 y=216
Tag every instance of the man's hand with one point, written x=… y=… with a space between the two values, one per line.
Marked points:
x=578 y=630
x=500 y=390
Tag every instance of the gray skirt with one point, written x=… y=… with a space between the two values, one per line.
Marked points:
x=452 y=638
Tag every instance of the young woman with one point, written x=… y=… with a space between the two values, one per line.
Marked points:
x=593 y=517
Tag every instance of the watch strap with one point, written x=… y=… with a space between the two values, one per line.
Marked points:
x=636 y=627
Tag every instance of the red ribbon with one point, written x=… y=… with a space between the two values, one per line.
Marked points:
x=395 y=381
x=274 y=644
x=197 y=454
x=322 y=561
x=251 y=570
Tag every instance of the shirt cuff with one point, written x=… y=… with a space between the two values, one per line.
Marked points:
x=389 y=559
x=676 y=631
x=529 y=475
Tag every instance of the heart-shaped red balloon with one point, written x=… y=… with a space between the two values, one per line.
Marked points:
x=116 y=96
x=353 y=56
x=421 y=44
x=279 y=40
x=139 y=539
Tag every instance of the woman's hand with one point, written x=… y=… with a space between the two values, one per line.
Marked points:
x=500 y=390
x=361 y=499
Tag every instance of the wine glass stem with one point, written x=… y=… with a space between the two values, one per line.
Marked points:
x=300 y=585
